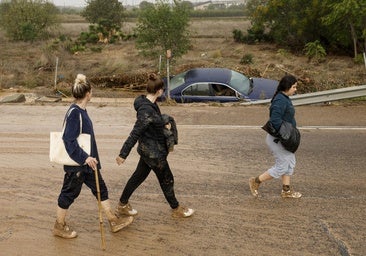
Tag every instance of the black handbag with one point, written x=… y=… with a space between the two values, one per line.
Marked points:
x=268 y=127
x=288 y=135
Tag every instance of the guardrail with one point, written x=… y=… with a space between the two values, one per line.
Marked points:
x=319 y=97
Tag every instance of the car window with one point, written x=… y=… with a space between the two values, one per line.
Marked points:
x=240 y=82
x=201 y=89
x=222 y=90
x=177 y=80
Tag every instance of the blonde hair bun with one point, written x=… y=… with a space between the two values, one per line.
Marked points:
x=80 y=79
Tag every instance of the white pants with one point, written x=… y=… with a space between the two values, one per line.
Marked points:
x=284 y=160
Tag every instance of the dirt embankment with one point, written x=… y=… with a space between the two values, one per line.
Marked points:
x=29 y=66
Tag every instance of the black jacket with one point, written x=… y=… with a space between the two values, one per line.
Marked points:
x=148 y=131
x=169 y=119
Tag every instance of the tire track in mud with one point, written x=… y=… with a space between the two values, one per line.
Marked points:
x=6 y=234
x=343 y=249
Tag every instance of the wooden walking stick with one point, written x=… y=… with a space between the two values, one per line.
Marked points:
x=100 y=209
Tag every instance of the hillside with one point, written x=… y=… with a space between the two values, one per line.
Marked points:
x=31 y=66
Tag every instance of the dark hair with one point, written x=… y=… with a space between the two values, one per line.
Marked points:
x=285 y=84
x=81 y=87
x=154 y=84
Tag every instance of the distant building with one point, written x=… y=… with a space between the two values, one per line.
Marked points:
x=201 y=5
x=221 y=3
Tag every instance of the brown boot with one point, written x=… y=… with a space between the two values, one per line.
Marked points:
x=253 y=185
x=118 y=223
x=64 y=231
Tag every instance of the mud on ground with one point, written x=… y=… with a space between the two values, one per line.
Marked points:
x=219 y=148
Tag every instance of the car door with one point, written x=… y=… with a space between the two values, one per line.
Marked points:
x=224 y=93
x=205 y=92
x=197 y=92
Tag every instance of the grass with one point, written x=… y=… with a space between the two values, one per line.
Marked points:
x=28 y=66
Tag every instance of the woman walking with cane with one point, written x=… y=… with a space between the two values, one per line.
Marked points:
x=75 y=176
x=152 y=148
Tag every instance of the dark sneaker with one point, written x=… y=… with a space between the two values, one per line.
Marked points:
x=290 y=194
x=64 y=231
x=253 y=187
x=118 y=223
x=125 y=209
x=182 y=212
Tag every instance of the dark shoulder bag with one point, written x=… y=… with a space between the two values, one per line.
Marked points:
x=268 y=127
x=289 y=136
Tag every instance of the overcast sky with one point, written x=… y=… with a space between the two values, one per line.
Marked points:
x=69 y=2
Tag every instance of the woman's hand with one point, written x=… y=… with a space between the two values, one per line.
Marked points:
x=168 y=126
x=92 y=162
x=120 y=160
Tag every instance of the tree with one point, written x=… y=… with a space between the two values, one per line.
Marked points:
x=163 y=27
x=337 y=24
x=145 y=4
x=108 y=12
x=289 y=22
x=28 y=20
x=351 y=13
x=188 y=5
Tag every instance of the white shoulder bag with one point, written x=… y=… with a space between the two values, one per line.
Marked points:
x=58 y=153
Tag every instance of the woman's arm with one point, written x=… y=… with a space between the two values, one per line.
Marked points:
x=71 y=133
x=144 y=119
x=277 y=111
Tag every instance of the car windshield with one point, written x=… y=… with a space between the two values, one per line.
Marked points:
x=177 y=80
x=240 y=82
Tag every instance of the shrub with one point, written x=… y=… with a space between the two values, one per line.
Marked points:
x=315 y=51
x=25 y=20
x=247 y=59
x=283 y=52
x=359 y=59
x=238 y=35
x=254 y=34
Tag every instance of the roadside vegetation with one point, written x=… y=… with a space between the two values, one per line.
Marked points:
x=117 y=47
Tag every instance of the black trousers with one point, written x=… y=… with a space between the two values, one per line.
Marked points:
x=162 y=172
x=73 y=182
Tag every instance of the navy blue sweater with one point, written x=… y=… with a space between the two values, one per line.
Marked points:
x=72 y=131
x=281 y=110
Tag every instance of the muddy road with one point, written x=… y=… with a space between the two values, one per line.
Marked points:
x=219 y=148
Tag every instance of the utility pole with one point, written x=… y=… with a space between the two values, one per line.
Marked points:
x=56 y=67
x=168 y=57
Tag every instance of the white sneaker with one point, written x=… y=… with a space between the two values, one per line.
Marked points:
x=125 y=209
x=290 y=194
x=182 y=212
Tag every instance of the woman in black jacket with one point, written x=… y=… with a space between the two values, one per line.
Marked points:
x=152 y=148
